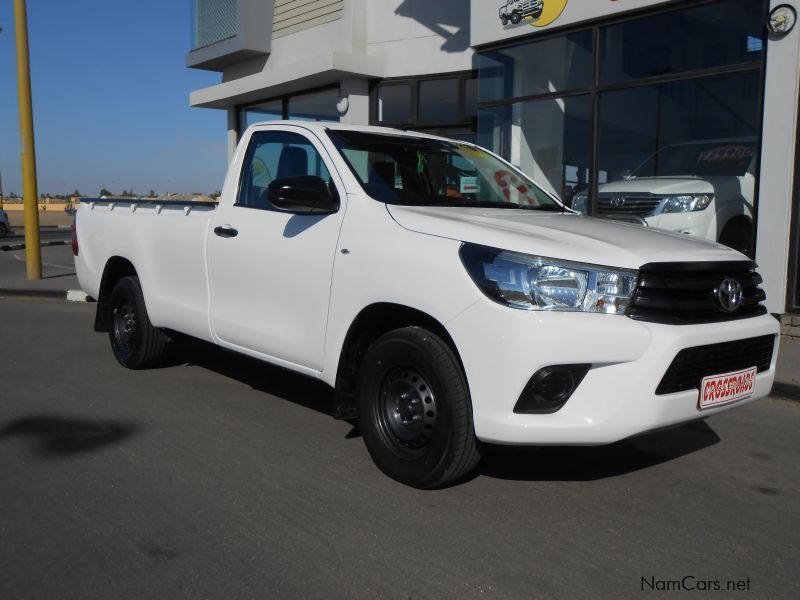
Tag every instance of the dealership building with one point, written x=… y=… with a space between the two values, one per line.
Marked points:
x=675 y=114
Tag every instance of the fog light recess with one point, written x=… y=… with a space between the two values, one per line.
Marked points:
x=550 y=388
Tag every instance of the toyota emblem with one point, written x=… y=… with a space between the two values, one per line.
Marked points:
x=729 y=295
x=618 y=200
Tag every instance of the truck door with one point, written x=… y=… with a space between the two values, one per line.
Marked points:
x=270 y=270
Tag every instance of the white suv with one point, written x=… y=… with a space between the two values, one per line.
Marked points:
x=701 y=188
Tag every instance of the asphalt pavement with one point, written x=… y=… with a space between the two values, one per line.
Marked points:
x=221 y=477
x=58 y=271
x=46 y=234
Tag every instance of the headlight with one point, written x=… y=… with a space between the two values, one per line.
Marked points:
x=686 y=203
x=537 y=283
x=579 y=203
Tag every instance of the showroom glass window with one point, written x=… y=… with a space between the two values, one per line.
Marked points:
x=441 y=105
x=319 y=105
x=546 y=133
x=659 y=124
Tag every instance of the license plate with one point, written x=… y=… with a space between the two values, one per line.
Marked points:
x=717 y=390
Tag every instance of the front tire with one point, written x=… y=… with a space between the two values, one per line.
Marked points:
x=516 y=17
x=134 y=340
x=414 y=410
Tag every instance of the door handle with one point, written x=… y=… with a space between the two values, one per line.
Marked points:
x=226 y=231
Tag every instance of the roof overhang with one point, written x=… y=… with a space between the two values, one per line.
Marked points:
x=314 y=72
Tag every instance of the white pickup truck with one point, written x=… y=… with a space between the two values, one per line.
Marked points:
x=445 y=297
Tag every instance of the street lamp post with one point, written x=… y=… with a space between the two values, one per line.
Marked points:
x=33 y=257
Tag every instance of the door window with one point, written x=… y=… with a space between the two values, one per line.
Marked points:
x=274 y=155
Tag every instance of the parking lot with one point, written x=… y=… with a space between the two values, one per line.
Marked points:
x=220 y=477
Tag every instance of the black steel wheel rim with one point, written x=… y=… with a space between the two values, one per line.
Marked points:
x=406 y=411
x=125 y=327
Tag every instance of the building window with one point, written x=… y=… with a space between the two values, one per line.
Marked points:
x=541 y=67
x=709 y=36
x=319 y=105
x=671 y=102
x=266 y=111
x=394 y=103
x=316 y=106
x=438 y=100
x=443 y=105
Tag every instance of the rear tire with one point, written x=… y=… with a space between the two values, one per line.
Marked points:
x=504 y=20
x=3 y=230
x=414 y=410
x=134 y=340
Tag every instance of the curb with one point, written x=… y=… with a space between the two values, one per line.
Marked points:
x=68 y=295
x=12 y=247
x=77 y=296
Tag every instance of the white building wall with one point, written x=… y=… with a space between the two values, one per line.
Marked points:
x=777 y=163
x=419 y=37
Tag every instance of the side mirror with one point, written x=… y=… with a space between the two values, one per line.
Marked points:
x=303 y=194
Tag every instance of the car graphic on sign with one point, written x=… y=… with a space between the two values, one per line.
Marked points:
x=516 y=10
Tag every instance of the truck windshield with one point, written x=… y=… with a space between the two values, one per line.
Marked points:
x=399 y=169
x=730 y=158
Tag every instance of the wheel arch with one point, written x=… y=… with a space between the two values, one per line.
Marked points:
x=372 y=322
x=116 y=268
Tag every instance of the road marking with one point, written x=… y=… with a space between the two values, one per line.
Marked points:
x=46 y=264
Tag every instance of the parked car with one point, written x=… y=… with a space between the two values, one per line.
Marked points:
x=700 y=188
x=5 y=226
x=445 y=298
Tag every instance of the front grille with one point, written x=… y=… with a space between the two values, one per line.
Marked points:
x=686 y=293
x=692 y=364
x=640 y=205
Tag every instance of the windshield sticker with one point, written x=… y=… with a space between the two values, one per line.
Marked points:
x=421 y=161
x=512 y=188
x=469 y=185
x=474 y=152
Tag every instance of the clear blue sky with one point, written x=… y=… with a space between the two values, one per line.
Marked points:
x=111 y=99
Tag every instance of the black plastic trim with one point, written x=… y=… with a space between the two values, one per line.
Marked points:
x=578 y=371
x=684 y=293
x=691 y=365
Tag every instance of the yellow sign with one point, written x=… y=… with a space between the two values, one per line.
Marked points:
x=535 y=12
x=551 y=10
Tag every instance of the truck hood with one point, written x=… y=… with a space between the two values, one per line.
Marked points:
x=685 y=184
x=560 y=235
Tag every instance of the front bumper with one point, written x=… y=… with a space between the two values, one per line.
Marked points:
x=502 y=347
